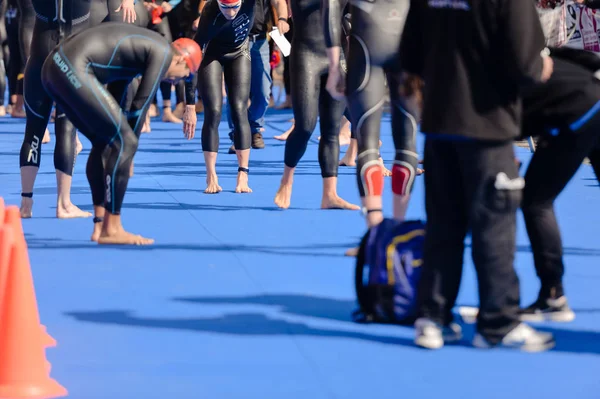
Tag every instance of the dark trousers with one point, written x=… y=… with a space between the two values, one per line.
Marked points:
x=554 y=163
x=461 y=196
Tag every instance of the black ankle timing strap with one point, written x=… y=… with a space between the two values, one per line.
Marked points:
x=27 y=195
x=98 y=220
x=245 y=170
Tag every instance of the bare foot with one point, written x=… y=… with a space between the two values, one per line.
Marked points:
x=337 y=203
x=123 y=238
x=420 y=171
x=347 y=161
x=353 y=252
x=242 y=183
x=97 y=231
x=386 y=172
x=146 y=127
x=2 y=110
x=46 y=138
x=71 y=212
x=169 y=117
x=78 y=145
x=212 y=183
x=26 y=207
x=153 y=111
x=284 y=136
x=18 y=112
x=283 y=198
x=344 y=140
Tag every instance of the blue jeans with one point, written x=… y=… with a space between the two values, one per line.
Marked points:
x=260 y=86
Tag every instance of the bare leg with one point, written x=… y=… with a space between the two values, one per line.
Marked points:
x=64 y=207
x=284 y=194
x=28 y=175
x=99 y=212
x=243 y=157
x=349 y=158
x=284 y=136
x=46 y=138
x=330 y=199
x=168 y=115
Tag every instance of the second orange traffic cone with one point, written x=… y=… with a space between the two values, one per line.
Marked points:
x=24 y=371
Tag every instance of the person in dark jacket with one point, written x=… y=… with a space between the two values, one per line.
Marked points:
x=489 y=51
x=565 y=114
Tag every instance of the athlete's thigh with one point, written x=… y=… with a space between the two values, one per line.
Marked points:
x=306 y=68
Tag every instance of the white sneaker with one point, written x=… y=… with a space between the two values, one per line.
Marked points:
x=521 y=337
x=431 y=335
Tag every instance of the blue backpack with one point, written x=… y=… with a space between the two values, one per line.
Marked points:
x=388 y=269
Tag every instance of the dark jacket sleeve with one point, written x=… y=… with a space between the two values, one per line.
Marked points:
x=593 y=4
x=158 y=63
x=411 y=53
x=331 y=15
x=523 y=40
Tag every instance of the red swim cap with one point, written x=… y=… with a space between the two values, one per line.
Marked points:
x=229 y=3
x=190 y=50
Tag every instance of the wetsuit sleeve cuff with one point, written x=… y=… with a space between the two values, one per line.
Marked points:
x=190 y=91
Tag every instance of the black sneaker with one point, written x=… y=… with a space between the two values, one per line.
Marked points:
x=549 y=309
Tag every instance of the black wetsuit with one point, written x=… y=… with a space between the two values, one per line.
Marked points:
x=370 y=61
x=225 y=47
x=565 y=112
x=15 y=62
x=74 y=75
x=51 y=26
x=310 y=100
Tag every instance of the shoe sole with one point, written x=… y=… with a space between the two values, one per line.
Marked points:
x=558 y=317
x=425 y=343
x=524 y=348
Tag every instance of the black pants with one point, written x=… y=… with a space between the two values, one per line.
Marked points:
x=236 y=69
x=554 y=163
x=460 y=196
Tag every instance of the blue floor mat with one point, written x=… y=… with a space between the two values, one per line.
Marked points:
x=240 y=300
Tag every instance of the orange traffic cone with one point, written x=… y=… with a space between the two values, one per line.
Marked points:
x=7 y=241
x=1 y=211
x=24 y=371
x=12 y=218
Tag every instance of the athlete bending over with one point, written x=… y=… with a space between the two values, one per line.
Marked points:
x=74 y=74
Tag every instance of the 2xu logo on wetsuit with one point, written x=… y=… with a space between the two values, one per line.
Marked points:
x=69 y=73
x=241 y=25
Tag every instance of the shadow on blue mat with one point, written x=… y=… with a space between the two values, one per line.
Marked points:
x=235 y=324
x=244 y=324
x=314 y=250
x=57 y=243
x=301 y=305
